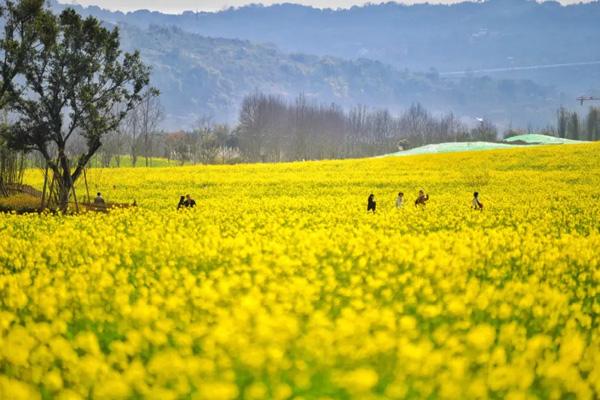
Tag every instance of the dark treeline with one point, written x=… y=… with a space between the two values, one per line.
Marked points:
x=571 y=125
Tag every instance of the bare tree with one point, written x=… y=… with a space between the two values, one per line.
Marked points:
x=252 y=124
x=593 y=123
x=132 y=128
x=562 y=116
x=178 y=146
x=573 y=126
x=485 y=131
x=415 y=123
x=149 y=114
x=272 y=130
x=227 y=142
x=114 y=142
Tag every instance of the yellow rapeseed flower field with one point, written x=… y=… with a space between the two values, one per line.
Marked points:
x=279 y=284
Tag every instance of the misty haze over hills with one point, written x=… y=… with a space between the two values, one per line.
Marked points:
x=386 y=55
x=203 y=76
x=180 y=6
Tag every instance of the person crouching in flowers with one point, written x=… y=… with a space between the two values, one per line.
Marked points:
x=476 y=204
x=371 y=204
x=422 y=199
x=400 y=200
x=99 y=200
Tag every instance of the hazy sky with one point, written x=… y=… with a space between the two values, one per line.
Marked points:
x=177 y=6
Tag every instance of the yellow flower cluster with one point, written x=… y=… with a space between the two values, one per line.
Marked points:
x=280 y=285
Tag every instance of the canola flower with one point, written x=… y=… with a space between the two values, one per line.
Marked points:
x=279 y=285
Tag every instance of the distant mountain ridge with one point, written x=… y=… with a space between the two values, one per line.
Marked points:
x=200 y=76
x=364 y=55
x=448 y=37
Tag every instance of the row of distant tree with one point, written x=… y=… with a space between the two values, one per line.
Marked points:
x=270 y=129
x=208 y=143
x=570 y=125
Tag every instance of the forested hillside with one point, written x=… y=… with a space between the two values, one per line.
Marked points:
x=386 y=55
x=200 y=77
x=472 y=35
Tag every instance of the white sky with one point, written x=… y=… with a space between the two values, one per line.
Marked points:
x=178 y=6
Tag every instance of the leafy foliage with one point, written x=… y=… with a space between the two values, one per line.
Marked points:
x=71 y=83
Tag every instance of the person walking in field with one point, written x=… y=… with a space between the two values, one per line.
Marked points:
x=181 y=202
x=189 y=202
x=371 y=203
x=476 y=204
x=422 y=199
x=400 y=200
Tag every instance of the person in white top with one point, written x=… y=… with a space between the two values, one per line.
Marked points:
x=400 y=200
x=476 y=204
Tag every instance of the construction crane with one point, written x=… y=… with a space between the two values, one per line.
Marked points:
x=581 y=99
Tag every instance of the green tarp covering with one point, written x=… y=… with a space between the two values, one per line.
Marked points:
x=512 y=142
x=451 y=148
x=539 y=139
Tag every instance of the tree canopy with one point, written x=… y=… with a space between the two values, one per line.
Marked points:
x=26 y=28
x=75 y=80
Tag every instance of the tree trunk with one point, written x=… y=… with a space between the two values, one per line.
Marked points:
x=62 y=171
x=65 y=182
x=64 y=191
x=146 y=151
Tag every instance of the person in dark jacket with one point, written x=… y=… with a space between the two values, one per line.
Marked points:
x=476 y=204
x=99 y=200
x=189 y=202
x=422 y=199
x=371 y=203
x=181 y=202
